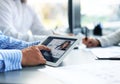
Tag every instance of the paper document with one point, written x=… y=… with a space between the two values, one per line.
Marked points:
x=99 y=72
x=108 y=52
x=71 y=75
x=109 y=71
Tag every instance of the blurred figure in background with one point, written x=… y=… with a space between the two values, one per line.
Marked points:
x=17 y=18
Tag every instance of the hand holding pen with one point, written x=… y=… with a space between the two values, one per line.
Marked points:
x=90 y=42
x=86 y=33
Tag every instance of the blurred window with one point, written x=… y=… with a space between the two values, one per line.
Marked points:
x=53 y=13
x=106 y=12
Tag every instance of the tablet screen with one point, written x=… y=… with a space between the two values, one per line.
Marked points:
x=58 y=47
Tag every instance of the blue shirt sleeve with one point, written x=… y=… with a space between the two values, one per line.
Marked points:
x=12 y=43
x=11 y=60
x=10 y=52
x=18 y=44
x=1 y=66
x=1 y=63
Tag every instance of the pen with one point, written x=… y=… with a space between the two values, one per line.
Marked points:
x=86 y=33
x=108 y=59
x=76 y=47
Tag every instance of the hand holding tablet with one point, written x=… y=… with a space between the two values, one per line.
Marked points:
x=60 y=46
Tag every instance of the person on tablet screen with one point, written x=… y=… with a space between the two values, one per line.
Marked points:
x=63 y=46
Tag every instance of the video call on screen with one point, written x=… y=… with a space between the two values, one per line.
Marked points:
x=58 y=47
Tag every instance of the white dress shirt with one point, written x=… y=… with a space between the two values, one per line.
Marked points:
x=111 y=39
x=17 y=18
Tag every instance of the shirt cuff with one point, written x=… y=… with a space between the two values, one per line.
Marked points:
x=103 y=41
x=12 y=59
x=1 y=66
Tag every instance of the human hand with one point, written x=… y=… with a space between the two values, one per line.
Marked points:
x=90 y=42
x=32 y=56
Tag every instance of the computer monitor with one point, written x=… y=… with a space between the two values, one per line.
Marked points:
x=74 y=16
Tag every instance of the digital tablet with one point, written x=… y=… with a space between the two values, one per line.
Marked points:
x=60 y=46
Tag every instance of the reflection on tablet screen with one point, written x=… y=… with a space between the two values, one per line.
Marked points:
x=58 y=47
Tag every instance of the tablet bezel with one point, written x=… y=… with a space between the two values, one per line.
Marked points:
x=66 y=52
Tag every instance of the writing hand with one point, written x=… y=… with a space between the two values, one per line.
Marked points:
x=90 y=42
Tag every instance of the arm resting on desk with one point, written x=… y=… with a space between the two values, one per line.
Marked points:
x=10 y=60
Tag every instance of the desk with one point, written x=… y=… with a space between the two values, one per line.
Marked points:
x=33 y=76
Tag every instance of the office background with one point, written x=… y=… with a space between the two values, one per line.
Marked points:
x=54 y=14
x=89 y=13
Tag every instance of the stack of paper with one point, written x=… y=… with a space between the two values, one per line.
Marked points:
x=107 y=52
x=100 y=72
x=72 y=75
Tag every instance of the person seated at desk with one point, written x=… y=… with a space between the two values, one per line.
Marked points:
x=15 y=53
x=17 y=18
x=104 y=41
